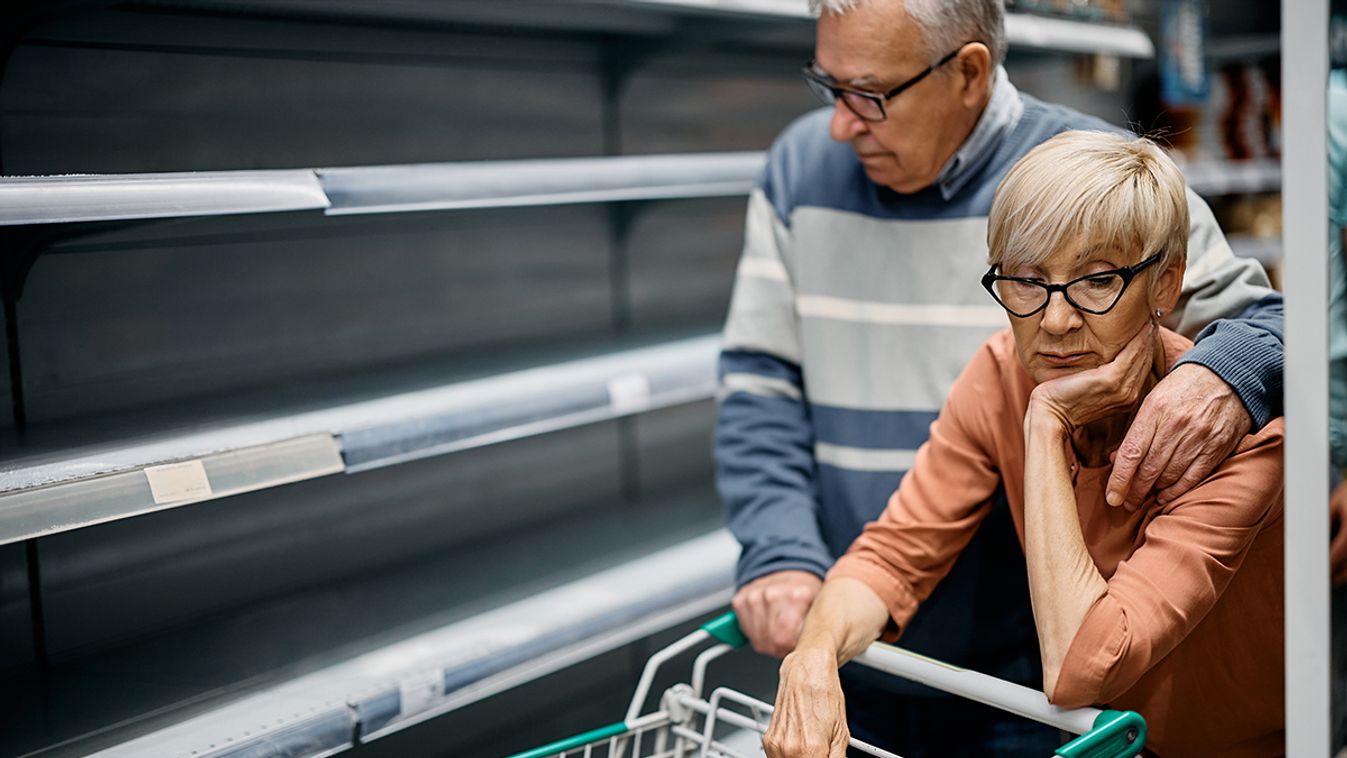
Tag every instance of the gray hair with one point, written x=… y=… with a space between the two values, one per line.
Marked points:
x=944 y=24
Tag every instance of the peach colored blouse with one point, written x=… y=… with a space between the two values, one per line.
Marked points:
x=1189 y=633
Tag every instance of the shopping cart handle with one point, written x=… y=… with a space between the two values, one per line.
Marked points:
x=1116 y=734
x=725 y=628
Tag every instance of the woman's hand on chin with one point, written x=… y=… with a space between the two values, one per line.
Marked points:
x=1088 y=396
x=810 y=720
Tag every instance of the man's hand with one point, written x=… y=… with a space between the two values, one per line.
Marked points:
x=772 y=608
x=1186 y=427
x=810 y=719
x=1337 y=517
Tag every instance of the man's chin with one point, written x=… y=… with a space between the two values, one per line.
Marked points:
x=903 y=185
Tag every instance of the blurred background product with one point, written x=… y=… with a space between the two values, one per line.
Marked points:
x=388 y=431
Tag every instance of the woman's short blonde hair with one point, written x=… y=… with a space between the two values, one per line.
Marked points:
x=1090 y=190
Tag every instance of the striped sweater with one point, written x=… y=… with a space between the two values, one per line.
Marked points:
x=855 y=308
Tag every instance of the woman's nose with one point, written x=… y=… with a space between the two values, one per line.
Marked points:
x=1060 y=316
x=845 y=125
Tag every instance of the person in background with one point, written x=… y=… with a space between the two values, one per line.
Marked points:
x=1174 y=611
x=855 y=306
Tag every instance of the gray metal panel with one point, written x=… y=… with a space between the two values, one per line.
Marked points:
x=495 y=184
x=1304 y=74
x=66 y=199
x=79 y=503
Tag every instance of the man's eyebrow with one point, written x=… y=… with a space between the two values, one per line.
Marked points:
x=869 y=80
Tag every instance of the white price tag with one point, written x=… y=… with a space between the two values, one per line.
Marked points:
x=419 y=691
x=629 y=393
x=175 y=482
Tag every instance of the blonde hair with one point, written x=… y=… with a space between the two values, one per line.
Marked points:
x=1091 y=190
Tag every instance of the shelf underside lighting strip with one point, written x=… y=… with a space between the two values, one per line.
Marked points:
x=447 y=668
x=503 y=184
x=121 y=197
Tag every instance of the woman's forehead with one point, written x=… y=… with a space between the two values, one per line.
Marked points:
x=1078 y=255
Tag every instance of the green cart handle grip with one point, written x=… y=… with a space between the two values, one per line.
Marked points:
x=725 y=628
x=1116 y=734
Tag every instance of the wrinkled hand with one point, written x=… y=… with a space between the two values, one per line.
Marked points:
x=1187 y=426
x=1337 y=516
x=810 y=720
x=772 y=608
x=1086 y=396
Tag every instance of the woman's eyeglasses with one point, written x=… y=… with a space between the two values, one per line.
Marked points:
x=1092 y=293
x=868 y=106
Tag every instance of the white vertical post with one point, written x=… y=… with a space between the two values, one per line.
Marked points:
x=1305 y=241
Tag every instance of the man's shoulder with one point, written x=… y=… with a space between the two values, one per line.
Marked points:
x=805 y=166
x=1047 y=119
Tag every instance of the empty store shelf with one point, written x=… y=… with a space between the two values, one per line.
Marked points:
x=57 y=483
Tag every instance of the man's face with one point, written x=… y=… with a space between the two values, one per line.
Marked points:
x=875 y=47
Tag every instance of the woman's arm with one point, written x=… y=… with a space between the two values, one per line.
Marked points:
x=810 y=718
x=1063 y=580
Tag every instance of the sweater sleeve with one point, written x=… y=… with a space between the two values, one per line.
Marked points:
x=1235 y=317
x=1157 y=596
x=764 y=438
x=940 y=503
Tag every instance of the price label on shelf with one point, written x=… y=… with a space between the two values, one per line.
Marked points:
x=176 y=482
x=419 y=691
x=629 y=393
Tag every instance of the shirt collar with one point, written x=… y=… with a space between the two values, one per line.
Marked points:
x=1002 y=113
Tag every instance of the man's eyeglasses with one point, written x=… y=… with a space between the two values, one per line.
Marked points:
x=1092 y=293
x=868 y=106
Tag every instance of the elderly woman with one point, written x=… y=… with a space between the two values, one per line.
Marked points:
x=1171 y=610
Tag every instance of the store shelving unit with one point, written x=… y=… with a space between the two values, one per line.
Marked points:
x=61 y=486
x=58 y=480
x=1234 y=177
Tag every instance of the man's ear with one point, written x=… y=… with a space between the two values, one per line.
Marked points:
x=974 y=66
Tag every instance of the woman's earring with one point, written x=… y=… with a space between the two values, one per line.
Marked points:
x=1159 y=313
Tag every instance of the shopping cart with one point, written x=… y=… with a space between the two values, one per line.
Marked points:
x=688 y=724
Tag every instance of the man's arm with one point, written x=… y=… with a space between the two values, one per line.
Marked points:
x=764 y=443
x=1228 y=385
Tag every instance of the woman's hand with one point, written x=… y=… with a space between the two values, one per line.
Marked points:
x=810 y=720
x=1115 y=387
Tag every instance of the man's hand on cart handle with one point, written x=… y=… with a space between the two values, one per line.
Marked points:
x=772 y=609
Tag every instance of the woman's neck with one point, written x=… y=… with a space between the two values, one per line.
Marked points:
x=1095 y=442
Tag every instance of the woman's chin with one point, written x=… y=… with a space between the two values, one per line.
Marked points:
x=1043 y=373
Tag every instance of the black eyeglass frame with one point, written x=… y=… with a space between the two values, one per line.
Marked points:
x=1128 y=273
x=811 y=75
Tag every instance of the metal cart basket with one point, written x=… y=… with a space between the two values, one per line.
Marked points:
x=689 y=723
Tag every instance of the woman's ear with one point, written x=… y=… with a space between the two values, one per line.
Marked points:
x=1168 y=286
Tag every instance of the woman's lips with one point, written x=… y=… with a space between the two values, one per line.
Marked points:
x=1063 y=359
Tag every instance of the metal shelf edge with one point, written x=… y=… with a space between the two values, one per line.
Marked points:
x=117 y=197
x=76 y=504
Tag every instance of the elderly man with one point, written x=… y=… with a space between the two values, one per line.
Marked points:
x=855 y=307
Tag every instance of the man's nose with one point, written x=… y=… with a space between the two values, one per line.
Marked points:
x=1060 y=316
x=845 y=125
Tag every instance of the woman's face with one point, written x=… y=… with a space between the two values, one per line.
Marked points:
x=1060 y=339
